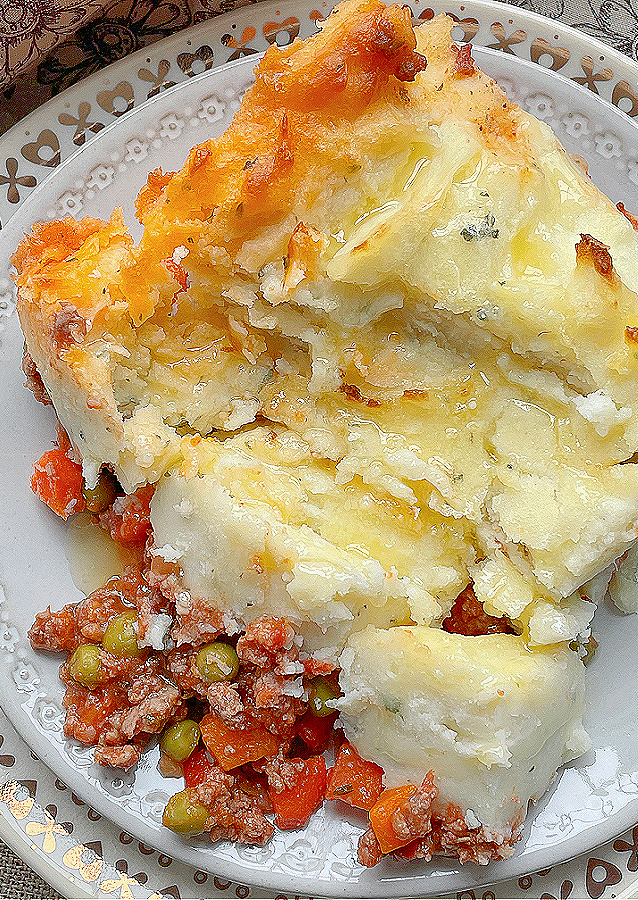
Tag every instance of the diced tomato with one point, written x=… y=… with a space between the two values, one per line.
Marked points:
x=178 y=272
x=58 y=481
x=354 y=780
x=198 y=768
x=234 y=747
x=318 y=667
x=315 y=731
x=89 y=711
x=297 y=801
x=382 y=813
x=128 y=519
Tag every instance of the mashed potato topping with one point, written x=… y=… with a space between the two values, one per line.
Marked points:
x=377 y=347
x=480 y=711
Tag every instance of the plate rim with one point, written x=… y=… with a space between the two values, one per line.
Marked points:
x=243 y=62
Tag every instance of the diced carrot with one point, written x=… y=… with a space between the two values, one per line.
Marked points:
x=234 y=747
x=315 y=731
x=198 y=767
x=382 y=813
x=298 y=800
x=58 y=481
x=354 y=780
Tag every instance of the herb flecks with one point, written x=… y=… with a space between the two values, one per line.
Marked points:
x=344 y=789
x=482 y=229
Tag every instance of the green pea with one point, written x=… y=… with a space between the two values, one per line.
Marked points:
x=84 y=665
x=179 y=740
x=217 y=662
x=321 y=690
x=120 y=637
x=103 y=494
x=185 y=815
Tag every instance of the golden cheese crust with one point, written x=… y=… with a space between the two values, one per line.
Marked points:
x=305 y=95
x=298 y=123
x=52 y=242
x=64 y=268
x=308 y=124
x=267 y=188
x=371 y=173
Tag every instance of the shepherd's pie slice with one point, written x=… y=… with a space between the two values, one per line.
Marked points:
x=364 y=259
x=378 y=351
x=342 y=192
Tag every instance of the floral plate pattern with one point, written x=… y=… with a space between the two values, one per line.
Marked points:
x=550 y=77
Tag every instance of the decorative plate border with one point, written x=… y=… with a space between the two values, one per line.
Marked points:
x=82 y=865
x=81 y=854
x=601 y=873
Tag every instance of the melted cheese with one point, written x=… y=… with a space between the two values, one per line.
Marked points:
x=259 y=527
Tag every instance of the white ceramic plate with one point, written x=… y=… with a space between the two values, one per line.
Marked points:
x=594 y=800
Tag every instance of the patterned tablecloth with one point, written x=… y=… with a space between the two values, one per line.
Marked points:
x=17 y=879
x=48 y=45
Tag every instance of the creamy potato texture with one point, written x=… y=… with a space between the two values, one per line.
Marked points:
x=487 y=715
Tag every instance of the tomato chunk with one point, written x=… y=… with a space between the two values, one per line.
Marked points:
x=298 y=800
x=58 y=481
x=198 y=768
x=234 y=747
x=354 y=780
x=382 y=813
x=315 y=731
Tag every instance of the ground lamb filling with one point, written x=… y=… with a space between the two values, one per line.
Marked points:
x=243 y=714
